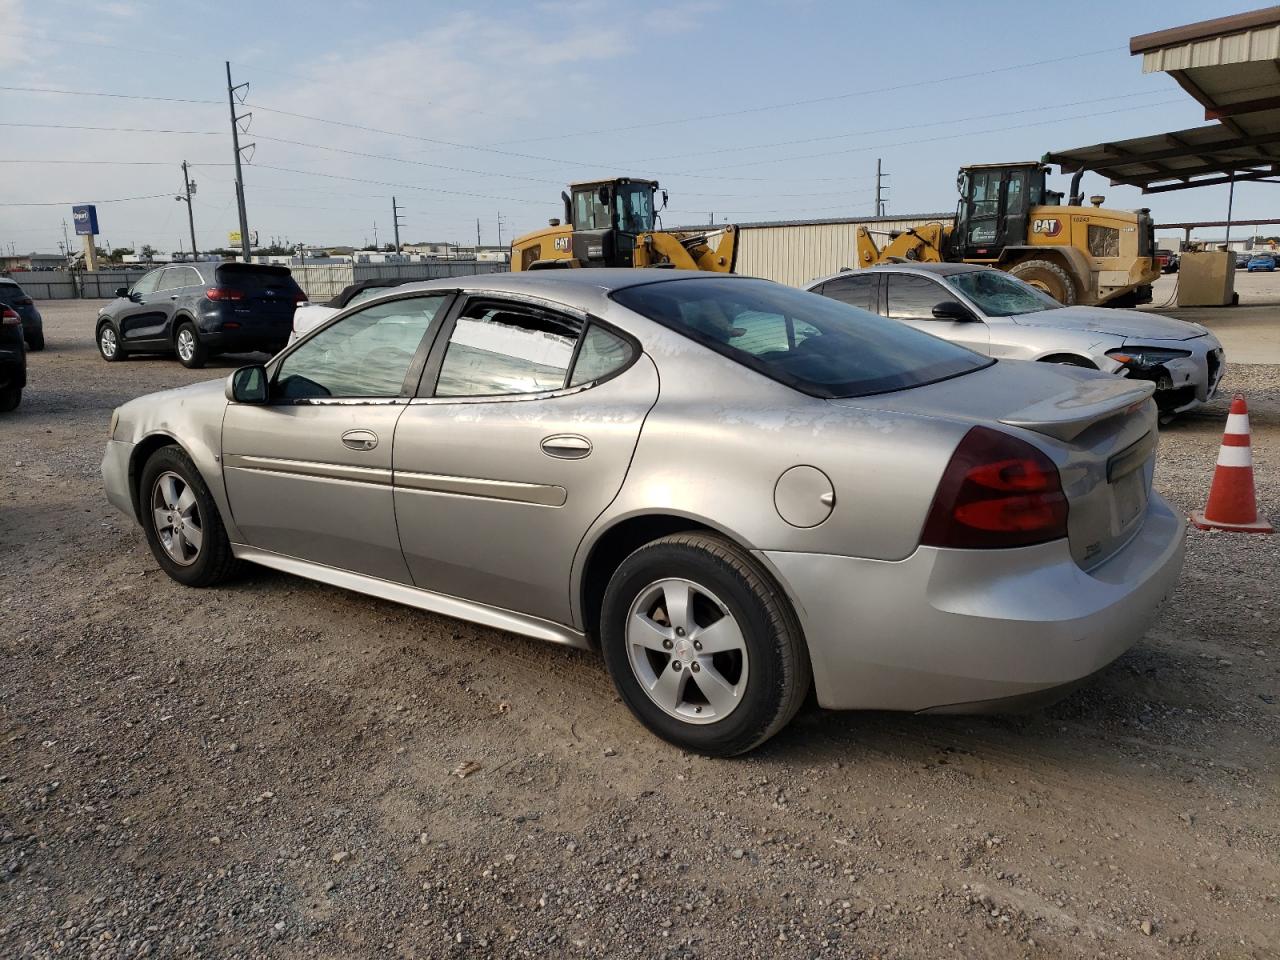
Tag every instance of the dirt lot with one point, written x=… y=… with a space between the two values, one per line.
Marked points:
x=267 y=769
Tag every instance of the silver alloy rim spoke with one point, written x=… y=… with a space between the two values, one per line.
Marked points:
x=685 y=648
x=185 y=345
x=176 y=514
x=721 y=637
x=108 y=342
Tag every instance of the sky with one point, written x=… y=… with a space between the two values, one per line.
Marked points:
x=744 y=111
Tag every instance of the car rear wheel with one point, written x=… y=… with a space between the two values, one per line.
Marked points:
x=702 y=646
x=35 y=341
x=181 y=521
x=1049 y=277
x=109 y=343
x=10 y=397
x=191 y=352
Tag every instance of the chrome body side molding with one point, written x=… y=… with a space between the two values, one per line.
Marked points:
x=468 y=610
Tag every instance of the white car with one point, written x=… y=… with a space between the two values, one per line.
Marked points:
x=308 y=316
x=1000 y=316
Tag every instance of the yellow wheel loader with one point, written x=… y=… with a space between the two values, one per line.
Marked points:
x=610 y=223
x=1008 y=218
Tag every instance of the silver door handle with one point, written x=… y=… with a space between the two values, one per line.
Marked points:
x=174 y=297
x=566 y=446
x=360 y=439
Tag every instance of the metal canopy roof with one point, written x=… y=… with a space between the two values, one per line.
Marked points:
x=1231 y=66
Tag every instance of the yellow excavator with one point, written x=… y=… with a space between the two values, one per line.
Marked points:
x=1008 y=218
x=611 y=223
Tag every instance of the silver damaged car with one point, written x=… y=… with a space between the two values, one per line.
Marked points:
x=989 y=311
x=735 y=490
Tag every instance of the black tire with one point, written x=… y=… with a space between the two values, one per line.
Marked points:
x=35 y=341
x=1049 y=277
x=10 y=397
x=780 y=674
x=214 y=562
x=118 y=353
x=199 y=352
x=1070 y=360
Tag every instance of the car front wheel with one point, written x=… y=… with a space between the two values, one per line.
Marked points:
x=109 y=343
x=181 y=521
x=702 y=646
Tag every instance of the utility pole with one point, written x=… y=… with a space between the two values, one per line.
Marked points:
x=396 y=219
x=235 y=144
x=375 y=234
x=499 y=228
x=477 y=236
x=1231 y=198
x=66 y=243
x=882 y=201
x=188 y=189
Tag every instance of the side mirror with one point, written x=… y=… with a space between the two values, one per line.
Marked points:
x=953 y=310
x=248 y=384
x=122 y=291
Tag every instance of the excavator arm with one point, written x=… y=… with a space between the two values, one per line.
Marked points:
x=716 y=250
x=923 y=244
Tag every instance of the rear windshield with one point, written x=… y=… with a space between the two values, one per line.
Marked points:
x=11 y=293
x=257 y=281
x=817 y=345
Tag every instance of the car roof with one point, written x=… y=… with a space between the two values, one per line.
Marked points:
x=582 y=281
x=927 y=269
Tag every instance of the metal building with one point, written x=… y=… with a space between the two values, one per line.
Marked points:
x=797 y=251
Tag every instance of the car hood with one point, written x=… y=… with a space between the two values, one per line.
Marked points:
x=1129 y=324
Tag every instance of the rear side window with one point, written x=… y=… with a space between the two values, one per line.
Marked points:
x=499 y=349
x=857 y=292
x=815 y=344
x=602 y=353
x=11 y=293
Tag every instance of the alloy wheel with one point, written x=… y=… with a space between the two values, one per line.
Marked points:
x=186 y=344
x=177 y=518
x=107 y=342
x=687 y=651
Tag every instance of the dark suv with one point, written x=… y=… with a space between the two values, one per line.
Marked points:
x=13 y=296
x=197 y=310
x=13 y=359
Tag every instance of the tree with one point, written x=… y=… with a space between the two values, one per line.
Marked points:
x=117 y=254
x=148 y=251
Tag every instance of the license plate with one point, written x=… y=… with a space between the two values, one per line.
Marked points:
x=1130 y=496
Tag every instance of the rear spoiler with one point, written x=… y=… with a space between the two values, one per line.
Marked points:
x=1067 y=415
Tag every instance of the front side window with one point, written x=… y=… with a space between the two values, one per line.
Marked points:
x=999 y=295
x=147 y=284
x=815 y=344
x=367 y=354
x=172 y=278
x=911 y=297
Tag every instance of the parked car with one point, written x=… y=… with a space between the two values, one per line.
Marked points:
x=13 y=296
x=735 y=489
x=1262 y=262
x=1242 y=260
x=999 y=315
x=1167 y=261
x=13 y=359
x=198 y=310
x=308 y=316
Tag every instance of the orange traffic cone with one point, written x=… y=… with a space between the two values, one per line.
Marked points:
x=1232 y=503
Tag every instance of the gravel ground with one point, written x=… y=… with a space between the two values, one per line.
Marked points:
x=282 y=769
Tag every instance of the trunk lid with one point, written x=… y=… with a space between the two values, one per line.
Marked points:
x=1100 y=431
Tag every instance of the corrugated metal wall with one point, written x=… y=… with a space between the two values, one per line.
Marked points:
x=795 y=253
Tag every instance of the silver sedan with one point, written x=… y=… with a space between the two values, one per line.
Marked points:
x=736 y=491
x=997 y=314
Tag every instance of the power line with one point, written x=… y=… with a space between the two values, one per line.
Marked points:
x=109 y=163
x=67 y=203
x=73 y=126
x=114 y=96
x=827 y=99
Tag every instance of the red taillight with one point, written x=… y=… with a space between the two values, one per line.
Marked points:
x=997 y=491
x=222 y=293
x=9 y=318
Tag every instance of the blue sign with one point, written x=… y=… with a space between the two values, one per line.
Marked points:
x=86 y=218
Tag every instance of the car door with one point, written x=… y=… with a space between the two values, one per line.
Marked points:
x=910 y=298
x=177 y=285
x=141 y=317
x=308 y=474
x=526 y=425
